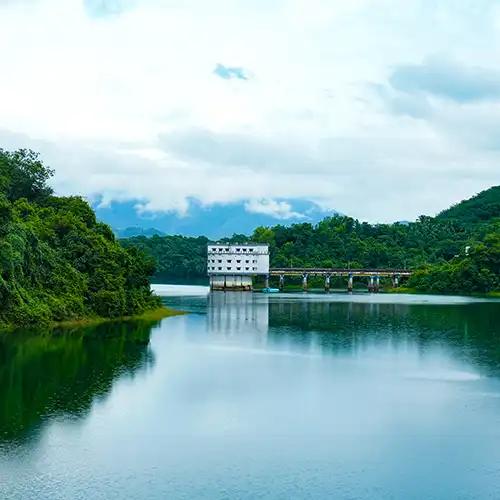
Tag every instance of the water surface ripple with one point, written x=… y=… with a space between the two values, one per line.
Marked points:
x=259 y=396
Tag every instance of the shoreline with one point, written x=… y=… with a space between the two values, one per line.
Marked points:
x=495 y=294
x=151 y=315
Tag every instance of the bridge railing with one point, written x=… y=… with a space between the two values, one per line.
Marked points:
x=338 y=271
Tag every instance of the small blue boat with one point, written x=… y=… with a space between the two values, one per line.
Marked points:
x=270 y=290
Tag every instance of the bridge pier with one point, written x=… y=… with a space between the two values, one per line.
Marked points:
x=327 y=283
x=282 y=282
x=266 y=283
x=373 y=276
x=350 y=283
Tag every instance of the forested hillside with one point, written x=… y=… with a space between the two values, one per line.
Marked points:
x=56 y=261
x=435 y=246
x=479 y=209
x=478 y=269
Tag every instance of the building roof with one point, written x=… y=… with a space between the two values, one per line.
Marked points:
x=246 y=244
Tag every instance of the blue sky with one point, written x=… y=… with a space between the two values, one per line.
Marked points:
x=380 y=109
x=105 y=8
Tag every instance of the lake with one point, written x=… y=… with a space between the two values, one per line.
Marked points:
x=259 y=396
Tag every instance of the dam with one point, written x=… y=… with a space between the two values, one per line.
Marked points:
x=233 y=266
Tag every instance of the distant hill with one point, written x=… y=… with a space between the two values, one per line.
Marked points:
x=214 y=221
x=483 y=207
x=130 y=232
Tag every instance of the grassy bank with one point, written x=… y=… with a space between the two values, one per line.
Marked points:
x=150 y=316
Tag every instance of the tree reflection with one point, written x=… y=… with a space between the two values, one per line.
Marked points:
x=45 y=375
x=470 y=331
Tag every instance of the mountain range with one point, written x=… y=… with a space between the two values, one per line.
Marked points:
x=214 y=221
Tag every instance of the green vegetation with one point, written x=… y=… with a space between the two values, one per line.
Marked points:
x=432 y=246
x=481 y=208
x=148 y=315
x=478 y=271
x=174 y=256
x=57 y=263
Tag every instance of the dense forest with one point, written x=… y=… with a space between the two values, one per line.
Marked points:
x=435 y=247
x=57 y=262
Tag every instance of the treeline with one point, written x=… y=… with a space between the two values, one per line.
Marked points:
x=174 y=256
x=57 y=262
x=474 y=271
x=433 y=246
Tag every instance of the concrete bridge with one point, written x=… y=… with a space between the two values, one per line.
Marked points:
x=373 y=276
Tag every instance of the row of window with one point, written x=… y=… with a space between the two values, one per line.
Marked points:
x=229 y=268
x=238 y=261
x=220 y=249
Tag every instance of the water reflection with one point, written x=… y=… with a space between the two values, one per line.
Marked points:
x=44 y=375
x=467 y=330
x=260 y=396
x=237 y=314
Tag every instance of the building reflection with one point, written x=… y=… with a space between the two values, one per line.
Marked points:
x=237 y=314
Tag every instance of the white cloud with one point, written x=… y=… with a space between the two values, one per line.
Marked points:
x=278 y=209
x=126 y=106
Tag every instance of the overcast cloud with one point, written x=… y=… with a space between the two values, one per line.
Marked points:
x=379 y=109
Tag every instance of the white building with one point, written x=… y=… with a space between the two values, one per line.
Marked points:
x=231 y=266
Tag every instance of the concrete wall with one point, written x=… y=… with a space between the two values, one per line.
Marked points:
x=230 y=282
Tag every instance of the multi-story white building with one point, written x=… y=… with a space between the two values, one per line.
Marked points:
x=231 y=266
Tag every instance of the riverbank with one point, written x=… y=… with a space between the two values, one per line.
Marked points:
x=385 y=290
x=152 y=315
x=495 y=294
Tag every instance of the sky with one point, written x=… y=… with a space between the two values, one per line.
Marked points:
x=383 y=110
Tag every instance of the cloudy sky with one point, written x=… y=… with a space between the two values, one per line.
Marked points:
x=382 y=109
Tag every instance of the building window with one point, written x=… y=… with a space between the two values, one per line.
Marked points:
x=220 y=268
x=220 y=261
x=247 y=268
x=250 y=249
x=227 y=249
x=238 y=268
x=229 y=261
x=229 y=268
x=238 y=261
x=247 y=261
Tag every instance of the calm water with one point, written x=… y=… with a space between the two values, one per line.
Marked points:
x=256 y=396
